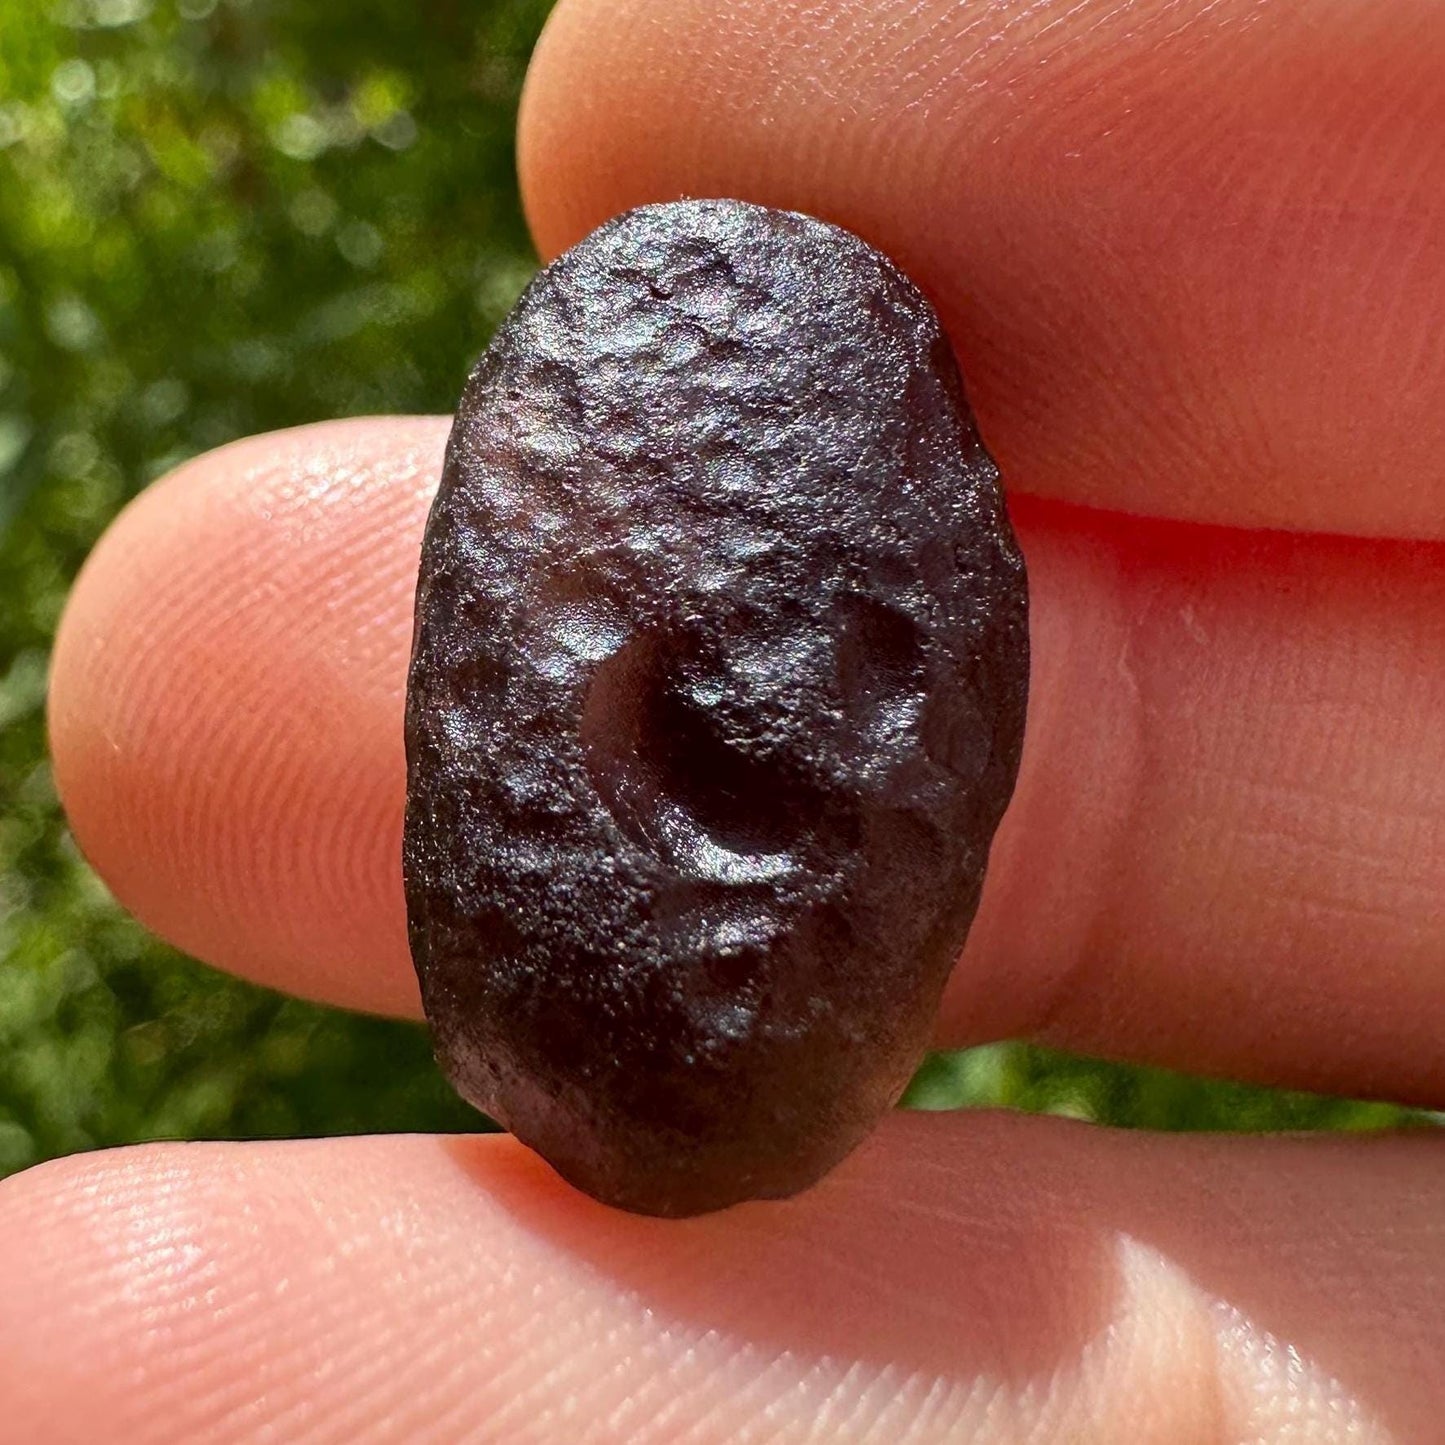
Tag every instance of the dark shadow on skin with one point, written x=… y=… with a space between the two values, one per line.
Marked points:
x=1024 y=1247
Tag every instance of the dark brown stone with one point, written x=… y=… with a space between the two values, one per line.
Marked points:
x=716 y=700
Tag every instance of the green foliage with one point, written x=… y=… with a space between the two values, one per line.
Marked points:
x=215 y=219
x=219 y=217
x=1043 y=1081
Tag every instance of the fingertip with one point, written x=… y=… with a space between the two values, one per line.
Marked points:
x=229 y=759
x=1190 y=254
x=963 y=1276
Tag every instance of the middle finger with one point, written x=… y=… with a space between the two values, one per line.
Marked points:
x=1226 y=852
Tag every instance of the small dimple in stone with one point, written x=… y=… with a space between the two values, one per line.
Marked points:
x=716 y=699
x=881 y=671
x=662 y=764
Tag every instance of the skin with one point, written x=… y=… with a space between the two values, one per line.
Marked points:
x=1191 y=256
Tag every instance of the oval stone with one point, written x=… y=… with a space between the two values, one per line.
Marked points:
x=716 y=700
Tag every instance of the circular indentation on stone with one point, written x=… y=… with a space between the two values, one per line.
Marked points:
x=677 y=781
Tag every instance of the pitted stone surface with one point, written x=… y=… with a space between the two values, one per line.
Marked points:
x=716 y=700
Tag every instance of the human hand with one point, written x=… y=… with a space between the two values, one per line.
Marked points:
x=1193 y=256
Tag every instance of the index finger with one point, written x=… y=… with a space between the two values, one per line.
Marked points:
x=1192 y=252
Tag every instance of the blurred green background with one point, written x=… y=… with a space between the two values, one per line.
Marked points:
x=219 y=217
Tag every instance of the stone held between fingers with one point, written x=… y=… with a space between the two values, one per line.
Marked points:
x=716 y=700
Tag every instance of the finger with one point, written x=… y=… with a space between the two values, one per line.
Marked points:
x=1226 y=851
x=1192 y=254
x=225 y=705
x=975 y=1277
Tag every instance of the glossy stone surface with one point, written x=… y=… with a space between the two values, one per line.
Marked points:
x=716 y=700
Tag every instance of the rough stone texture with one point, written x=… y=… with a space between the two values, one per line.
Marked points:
x=716 y=700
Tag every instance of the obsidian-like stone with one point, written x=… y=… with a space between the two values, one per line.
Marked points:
x=717 y=697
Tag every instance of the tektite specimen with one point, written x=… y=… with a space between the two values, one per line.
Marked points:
x=716 y=700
